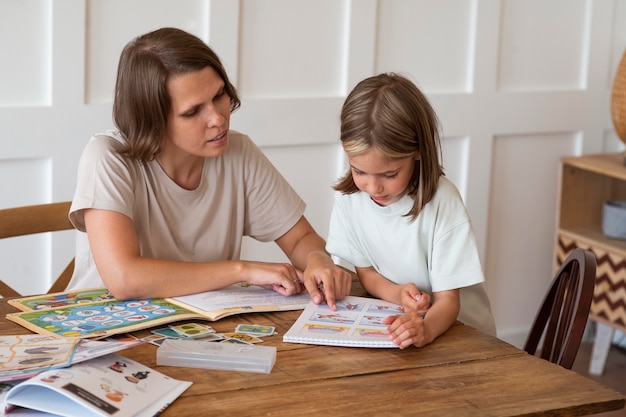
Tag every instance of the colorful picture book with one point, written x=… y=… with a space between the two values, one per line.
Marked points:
x=96 y=313
x=105 y=386
x=24 y=356
x=358 y=322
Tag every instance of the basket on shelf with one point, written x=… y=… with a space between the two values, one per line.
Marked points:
x=618 y=101
x=614 y=219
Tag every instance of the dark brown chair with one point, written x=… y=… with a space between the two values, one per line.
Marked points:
x=27 y=220
x=562 y=317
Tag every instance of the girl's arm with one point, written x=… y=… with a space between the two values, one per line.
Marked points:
x=379 y=286
x=411 y=329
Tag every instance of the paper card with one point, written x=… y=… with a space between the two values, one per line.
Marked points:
x=235 y=341
x=211 y=337
x=191 y=329
x=255 y=329
x=167 y=332
x=243 y=337
x=155 y=339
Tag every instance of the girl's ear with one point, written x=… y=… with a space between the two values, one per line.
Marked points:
x=418 y=156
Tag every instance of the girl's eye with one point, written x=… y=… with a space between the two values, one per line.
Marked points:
x=391 y=176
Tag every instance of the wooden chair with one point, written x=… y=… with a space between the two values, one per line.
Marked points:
x=26 y=220
x=562 y=317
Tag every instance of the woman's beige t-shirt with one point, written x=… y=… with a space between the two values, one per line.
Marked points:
x=240 y=194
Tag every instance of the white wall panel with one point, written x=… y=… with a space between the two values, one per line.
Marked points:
x=291 y=48
x=25 y=32
x=431 y=39
x=522 y=216
x=543 y=44
x=111 y=24
x=455 y=157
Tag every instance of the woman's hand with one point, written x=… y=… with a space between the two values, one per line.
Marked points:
x=283 y=278
x=326 y=281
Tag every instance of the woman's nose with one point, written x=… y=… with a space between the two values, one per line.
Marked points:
x=215 y=118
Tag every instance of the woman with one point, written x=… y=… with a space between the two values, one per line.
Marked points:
x=165 y=200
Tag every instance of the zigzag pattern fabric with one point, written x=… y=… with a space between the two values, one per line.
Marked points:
x=609 y=295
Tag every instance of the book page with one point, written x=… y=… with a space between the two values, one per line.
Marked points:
x=103 y=318
x=105 y=386
x=357 y=322
x=61 y=299
x=241 y=298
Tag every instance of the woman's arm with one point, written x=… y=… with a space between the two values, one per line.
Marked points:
x=306 y=250
x=128 y=275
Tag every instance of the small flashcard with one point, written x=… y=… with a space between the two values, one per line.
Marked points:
x=243 y=337
x=235 y=341
x=255 y=329
x=211 y=337
x=155 y=339
x=167 y=332
x=192 y=329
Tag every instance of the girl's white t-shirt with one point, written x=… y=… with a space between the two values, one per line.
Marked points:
x=437 y=251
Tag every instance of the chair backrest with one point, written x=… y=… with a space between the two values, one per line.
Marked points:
x=562 y=317
x=41 y=218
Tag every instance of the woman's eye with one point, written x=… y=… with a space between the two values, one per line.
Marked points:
x=391 y=176
x=190 y=113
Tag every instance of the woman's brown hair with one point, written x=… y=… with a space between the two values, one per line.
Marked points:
x=388 y=112
x=142 y=103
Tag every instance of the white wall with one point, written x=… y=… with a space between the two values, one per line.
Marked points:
x=517 y=84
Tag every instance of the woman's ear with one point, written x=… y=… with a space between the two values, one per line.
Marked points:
x=418 y=156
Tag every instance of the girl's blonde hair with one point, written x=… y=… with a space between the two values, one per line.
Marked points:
x=388 y=112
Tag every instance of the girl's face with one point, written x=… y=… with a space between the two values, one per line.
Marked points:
x=385 y=181
x=200 y=114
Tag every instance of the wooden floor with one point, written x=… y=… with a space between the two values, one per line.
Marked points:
x=614 y=375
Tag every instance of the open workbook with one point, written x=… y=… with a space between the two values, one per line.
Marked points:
x=95 y=313
x=358 y=322
x=110 y=385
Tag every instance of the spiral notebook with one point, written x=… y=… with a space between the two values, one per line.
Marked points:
x=357 y=322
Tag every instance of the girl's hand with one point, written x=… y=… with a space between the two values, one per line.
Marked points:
x=407 y=329
x=414 y=300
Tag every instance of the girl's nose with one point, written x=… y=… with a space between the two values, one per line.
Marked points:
x=374 y=187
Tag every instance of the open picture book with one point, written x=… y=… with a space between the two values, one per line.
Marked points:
x=358 y=322
x=95 y=313
x=105 y=386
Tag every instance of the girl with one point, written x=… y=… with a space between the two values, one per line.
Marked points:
x=398 y=220
x=165 y=200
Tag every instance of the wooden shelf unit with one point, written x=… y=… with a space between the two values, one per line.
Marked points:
x=586 y=183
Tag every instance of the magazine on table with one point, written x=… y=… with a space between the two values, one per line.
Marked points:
x=110 y=385
x=24 y=356
x=358 y=322
x=95 y=313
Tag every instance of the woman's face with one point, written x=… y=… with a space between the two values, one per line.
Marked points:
x=385 y=181
x=200 y=114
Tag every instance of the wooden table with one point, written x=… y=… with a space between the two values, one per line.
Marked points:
x=463 y=373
